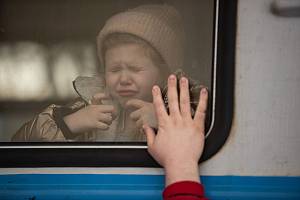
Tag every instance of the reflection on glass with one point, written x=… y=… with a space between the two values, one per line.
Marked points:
x=31 y=71
x=136 y=48
x=18 y=64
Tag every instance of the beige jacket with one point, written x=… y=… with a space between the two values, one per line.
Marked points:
x=48 y=126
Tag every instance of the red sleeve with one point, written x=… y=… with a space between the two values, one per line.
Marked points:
x=184 y=190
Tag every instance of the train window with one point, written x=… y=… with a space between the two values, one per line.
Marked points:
x=76 y=76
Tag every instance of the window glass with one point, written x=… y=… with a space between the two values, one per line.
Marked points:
x=54 y=63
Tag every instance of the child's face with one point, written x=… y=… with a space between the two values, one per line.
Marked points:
x=130 y=73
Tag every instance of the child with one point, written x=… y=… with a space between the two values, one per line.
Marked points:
x=138 y=48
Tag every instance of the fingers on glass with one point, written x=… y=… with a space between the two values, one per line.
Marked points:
x=202 y=106
x=173 y=95
x=159 y=105
x=185 y=106
x=150 y=135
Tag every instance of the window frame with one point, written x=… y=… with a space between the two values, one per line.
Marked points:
x=133 y=154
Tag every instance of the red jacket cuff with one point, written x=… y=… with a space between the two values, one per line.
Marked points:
x=184 y=189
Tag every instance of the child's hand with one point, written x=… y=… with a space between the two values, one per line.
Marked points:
x=144 y=113
x=179 y=142
x=93 y=116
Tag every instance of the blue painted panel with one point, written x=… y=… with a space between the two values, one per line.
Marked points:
x=91 y=186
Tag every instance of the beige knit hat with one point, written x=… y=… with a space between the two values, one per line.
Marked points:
x=159 y=25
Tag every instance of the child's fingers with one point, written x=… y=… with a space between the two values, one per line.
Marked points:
x=150 y=135
x=114 y=114
x=105 y=118
x=102 y=126
x=172 y=95
x=136 y=103
x=97 y=98
x=135 y=115
x=159 y=105
x=139 y=123
x=185 y=106
x=201 y=108
x=106 y=108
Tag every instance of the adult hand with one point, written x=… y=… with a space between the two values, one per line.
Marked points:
x=179 y=142
x=144 y=113
x=93 y=116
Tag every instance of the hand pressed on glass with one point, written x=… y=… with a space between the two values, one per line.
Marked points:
x=180 y=138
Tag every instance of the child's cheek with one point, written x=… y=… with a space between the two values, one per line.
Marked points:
x=110 y=80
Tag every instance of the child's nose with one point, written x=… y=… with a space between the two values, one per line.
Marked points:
x=125 y=78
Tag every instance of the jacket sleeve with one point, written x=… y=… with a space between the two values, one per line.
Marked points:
x=184 y=190
x=48 y=126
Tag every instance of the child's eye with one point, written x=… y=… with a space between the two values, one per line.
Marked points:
x=114 y=69
x=136 y=68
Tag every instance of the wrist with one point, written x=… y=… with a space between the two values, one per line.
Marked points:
x=184 y=171
x=59 y=113
x=70 y=121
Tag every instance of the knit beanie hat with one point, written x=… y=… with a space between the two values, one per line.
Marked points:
x=160 y=25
